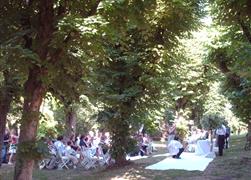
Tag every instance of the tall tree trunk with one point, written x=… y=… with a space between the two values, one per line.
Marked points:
x=119 y=129
x=71 y=120
x=179 y=108
x=34 y=93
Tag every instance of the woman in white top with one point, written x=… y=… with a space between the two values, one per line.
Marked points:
x=175 y=148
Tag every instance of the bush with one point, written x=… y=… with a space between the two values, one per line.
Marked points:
x=181 y=131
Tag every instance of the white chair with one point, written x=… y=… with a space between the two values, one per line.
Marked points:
x=88 y=161
x=63 y=161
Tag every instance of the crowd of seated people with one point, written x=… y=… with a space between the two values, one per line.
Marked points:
x=73 y=147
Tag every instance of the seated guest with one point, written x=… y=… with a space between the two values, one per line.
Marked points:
x=175 y=148
x=83 y=141
x=71 y=154
x=59 y=145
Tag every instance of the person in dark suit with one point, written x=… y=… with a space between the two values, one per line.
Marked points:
x=221 y=133
x=227 y=137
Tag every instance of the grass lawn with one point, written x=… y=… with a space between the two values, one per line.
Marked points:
x=235 y=164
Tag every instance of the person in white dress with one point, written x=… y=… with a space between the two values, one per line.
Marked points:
x=175 y=148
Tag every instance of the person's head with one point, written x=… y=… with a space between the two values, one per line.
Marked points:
x=86 y=139
x=69 y=143
x=13 y=132
x=176 y=138
x=82 y=137
x=7 y=131
x=60 y=138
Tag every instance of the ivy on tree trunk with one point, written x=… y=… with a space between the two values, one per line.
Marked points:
x=34 y=94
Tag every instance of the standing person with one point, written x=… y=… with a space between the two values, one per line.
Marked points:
x=13 y=145
x=227 y=136
x=171 y=132
x=221 y=133
x=6 y=141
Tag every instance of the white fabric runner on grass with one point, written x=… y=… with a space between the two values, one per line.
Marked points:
x=188 y=161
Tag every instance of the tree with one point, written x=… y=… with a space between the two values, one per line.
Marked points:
x=230 y=52
x=132 y=73
x=11 y=78
x=46 y=31
x=190 y=77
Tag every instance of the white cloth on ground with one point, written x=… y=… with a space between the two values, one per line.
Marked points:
x=188 y=161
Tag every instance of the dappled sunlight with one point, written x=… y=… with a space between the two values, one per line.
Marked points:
x=137 y=158
x=136 y=174
x=159 y=145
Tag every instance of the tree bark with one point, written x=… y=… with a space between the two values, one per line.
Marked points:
x=179 y=107
x=34 y=94
x=245 y=28
x=71 y=120
x=5 y=101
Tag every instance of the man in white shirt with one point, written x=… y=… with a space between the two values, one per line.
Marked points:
x=60 y=145
x=175 y=148
x=221 y=133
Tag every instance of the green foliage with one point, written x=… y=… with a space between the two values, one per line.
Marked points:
x=138 y=44
x=36 y=150
x=182 y=131
x=169 y=116
x=230 y=52
x=212 y=121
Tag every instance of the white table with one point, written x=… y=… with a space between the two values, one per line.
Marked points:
x=202 y=148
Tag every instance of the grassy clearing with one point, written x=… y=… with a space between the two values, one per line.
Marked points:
x=235 y=164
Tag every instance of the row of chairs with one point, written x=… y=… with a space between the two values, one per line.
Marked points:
x=87 y=160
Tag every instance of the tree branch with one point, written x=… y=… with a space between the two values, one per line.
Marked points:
x=245 y=28
x=233 y=77
x=93 y=9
